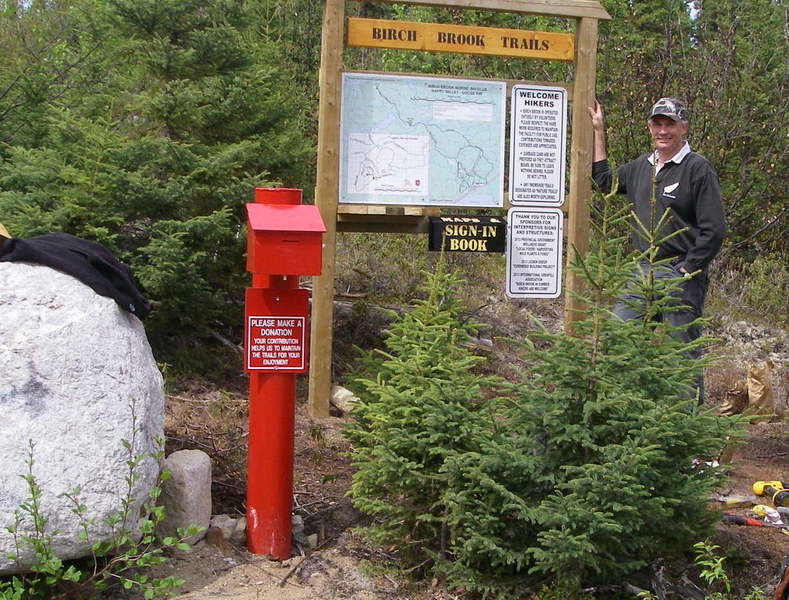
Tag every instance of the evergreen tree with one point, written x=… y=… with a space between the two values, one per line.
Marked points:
x=158 y=162
x=420 y=405
x=54 y=53
x=597 y=463
x=738 y=83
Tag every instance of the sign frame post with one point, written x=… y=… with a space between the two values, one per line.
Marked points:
x=585 y=13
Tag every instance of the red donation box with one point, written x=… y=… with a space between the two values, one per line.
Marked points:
x=284 y=241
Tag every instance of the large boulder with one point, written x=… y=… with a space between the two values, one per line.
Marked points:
x=77 y=381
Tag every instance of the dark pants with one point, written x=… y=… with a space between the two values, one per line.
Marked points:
x=689 y=296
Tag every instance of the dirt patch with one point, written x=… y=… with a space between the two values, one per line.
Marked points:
x=330 y=573
x=755 y=554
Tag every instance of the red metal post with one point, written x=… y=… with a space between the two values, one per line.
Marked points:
x=271 y=430
x=278 y=195
x=270 y=463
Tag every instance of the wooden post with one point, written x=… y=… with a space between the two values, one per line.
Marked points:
x=580 y=163
x=326 y=201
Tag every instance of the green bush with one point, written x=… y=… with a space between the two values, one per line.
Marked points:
x=713 y=573
x=767 y=287
x=753 y=290
x=190 y=107
x=417 y=406
x=591 y=465
x=119 y=561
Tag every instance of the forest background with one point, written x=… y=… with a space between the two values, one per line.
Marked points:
x=145 y=124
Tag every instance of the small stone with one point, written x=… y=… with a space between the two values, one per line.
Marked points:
x=186 y=495
x=343 y=398
x=239 y=535
x=225 y=523
x=296 y=524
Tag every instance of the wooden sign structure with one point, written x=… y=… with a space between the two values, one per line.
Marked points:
x=581 y=48
x=465 y=39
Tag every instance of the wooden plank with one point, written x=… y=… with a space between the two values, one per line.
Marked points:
x=420 y=211
x=463 y=39
x=382 y=223
x=551 y=8
x=386 y=209
x=580 y=164
x=326 y=200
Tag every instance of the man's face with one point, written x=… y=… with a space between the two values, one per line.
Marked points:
x=668 y=135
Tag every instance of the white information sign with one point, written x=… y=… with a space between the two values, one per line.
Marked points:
x=534 y=252
x=538 y=133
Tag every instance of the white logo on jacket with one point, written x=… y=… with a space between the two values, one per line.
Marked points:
x=670 y=188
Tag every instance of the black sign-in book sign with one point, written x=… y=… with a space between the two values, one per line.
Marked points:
x=467 y=234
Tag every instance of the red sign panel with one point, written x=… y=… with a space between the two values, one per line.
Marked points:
x=275 y=330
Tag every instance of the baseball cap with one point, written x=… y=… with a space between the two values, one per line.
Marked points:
x=669 y=107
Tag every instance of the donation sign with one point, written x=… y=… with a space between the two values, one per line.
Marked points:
x=275 y=333
x=538 y=128
x=275 y=343
x=534 y=253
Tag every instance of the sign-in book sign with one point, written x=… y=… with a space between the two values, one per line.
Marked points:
x=538 y=128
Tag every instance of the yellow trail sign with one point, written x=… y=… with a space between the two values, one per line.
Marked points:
x=440 y=37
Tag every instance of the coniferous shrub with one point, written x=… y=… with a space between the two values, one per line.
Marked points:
x=153 y=151
x=595 y=463
x=419 y=404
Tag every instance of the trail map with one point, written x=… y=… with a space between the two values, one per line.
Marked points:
x=421 y=141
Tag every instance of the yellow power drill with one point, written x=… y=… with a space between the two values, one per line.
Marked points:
x=775 y=490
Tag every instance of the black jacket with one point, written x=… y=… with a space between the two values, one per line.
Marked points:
x=89 y=262
x=689 y=188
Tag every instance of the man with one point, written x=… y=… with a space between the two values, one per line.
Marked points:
x=685 y=184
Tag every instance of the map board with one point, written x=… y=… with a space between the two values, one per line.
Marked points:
x=534 y=252
x=538 y=133
x=427 y=141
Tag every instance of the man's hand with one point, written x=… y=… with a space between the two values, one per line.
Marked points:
x=598 y=125
x=596 y=114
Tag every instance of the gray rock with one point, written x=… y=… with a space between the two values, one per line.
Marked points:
x=76 y=375
x=296 y=524
x=225 y=523
x=239 y=537
x=234 y=529
x=186 y=495
x=343 y=399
